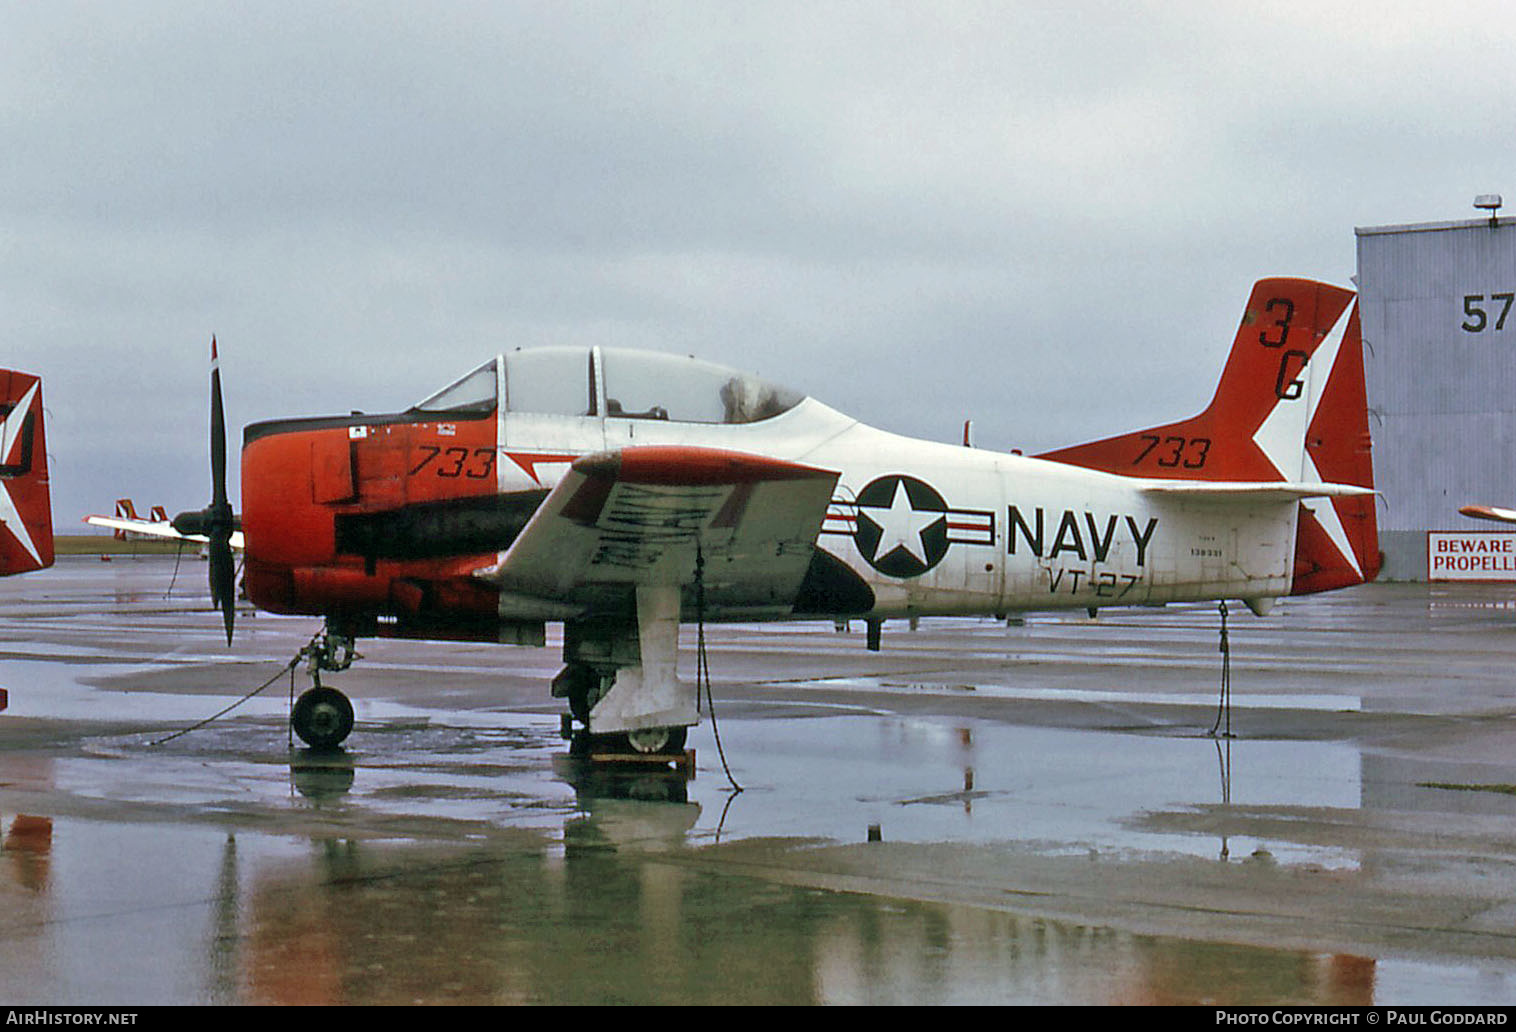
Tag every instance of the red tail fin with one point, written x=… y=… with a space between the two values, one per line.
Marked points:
x=125 y=510
x=26 y=515
x=1290 y=406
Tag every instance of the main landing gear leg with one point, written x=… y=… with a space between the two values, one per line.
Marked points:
x=622 y=684
x=323 y=716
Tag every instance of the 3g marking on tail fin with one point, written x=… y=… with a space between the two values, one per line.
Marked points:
x=1263 y=403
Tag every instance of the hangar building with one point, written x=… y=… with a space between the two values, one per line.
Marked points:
x=1438 y=304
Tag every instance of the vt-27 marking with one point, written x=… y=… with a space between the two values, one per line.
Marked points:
x=1069 y=538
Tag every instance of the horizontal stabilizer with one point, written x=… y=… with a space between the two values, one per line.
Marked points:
x=1253 y=491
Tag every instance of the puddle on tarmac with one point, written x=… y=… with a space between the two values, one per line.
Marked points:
x=108 y=913
x=1077 y=791
x=1277 y=700
x=459 y=856
x=488 y=870
x=916 y=780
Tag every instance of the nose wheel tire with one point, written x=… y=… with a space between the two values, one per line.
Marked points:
x=322 y=717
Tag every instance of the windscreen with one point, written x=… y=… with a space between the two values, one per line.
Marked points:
x=473 y=394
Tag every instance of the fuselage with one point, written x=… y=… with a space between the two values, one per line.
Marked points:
x=389 y=517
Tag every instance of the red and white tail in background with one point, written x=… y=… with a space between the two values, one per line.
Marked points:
x=26 y=515
x=1290 y=407
x=126 y=515
x=125 y=510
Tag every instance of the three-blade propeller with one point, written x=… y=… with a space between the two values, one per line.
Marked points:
x=216 y=521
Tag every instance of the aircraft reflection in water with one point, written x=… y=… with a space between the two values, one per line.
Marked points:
x=601 y=926
x=622 y=493
x=607 y=920
x=321 y=774
x=28 y=881
x=28 y=847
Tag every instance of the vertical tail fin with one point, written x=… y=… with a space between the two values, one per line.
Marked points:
x=26 y=515
x=125 y=510
x=1290 y=406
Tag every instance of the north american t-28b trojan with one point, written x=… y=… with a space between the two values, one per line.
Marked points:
x=622 y=493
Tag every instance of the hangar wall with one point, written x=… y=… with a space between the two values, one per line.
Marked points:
x=1438 y=305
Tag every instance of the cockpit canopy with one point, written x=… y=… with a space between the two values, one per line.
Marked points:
x=613 y=382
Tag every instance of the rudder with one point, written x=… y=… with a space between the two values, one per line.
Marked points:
x=1337 y=539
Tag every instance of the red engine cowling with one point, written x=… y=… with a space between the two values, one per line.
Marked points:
x=377 y=521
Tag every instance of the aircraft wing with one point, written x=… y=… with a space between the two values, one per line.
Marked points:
x=1489 y=512
x=646 y=515
x=154 y=528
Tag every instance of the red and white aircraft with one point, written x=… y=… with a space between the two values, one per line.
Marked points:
x=26 y=515
x=126 y=525
x=622 y=493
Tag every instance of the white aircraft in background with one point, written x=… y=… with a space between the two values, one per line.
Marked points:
x=1489 y=512
x=622 y=493
x=126 y=523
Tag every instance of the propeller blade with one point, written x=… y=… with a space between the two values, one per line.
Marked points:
x=217 y=521
x=223 y=574
x=218 y=434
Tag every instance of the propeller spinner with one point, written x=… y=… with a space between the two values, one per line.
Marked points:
x=216 y=521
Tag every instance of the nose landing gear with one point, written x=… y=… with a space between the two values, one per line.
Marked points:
x=323 y=716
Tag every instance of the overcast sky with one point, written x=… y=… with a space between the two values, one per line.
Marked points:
x=1042 y=216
